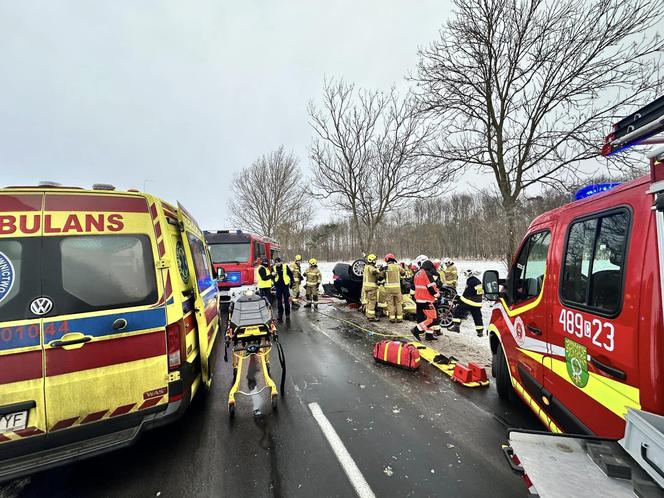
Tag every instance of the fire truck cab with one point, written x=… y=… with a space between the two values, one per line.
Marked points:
x=577 y=326
x=235 y=255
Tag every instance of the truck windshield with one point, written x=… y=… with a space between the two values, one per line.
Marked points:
x=229 y=253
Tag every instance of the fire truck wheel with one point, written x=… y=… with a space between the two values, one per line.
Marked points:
x=503 y=382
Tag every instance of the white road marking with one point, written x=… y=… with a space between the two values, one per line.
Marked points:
x=350 y=468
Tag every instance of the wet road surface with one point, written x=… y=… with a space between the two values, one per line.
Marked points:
x=409 y=434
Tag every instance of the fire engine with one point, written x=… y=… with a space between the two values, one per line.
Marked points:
x=235 y=254
x=576 y=330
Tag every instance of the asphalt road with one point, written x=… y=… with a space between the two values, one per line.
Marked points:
x=409 y=434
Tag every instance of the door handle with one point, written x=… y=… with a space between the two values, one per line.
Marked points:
x=608 y=369
x=70 y=342
x=534 y=330
x=120 y=324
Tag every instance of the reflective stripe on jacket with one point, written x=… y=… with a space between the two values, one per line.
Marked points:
x=472 y=294
x=393 y=275
x=264 y=282
x=370 y=278
x=425 y=289
x=313 y=277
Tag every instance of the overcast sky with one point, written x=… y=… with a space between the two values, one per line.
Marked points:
x=179 y=95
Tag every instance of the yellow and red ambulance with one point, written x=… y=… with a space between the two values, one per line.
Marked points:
x=108 y=321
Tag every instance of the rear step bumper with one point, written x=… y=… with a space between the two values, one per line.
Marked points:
x=20 y=466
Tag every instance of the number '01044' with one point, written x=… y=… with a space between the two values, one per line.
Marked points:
x=600 y=333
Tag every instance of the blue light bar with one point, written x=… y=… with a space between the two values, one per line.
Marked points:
x=233 y=277
x=594 y=189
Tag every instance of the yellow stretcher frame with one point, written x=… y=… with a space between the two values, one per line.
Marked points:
x=261 y=337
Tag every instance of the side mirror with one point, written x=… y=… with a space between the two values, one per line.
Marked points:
x=221 y=274
x=491 y=285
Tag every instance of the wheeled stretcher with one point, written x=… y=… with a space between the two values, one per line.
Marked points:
x=251 y=335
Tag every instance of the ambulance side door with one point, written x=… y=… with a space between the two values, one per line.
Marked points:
x=206 y=293
x=22 y=407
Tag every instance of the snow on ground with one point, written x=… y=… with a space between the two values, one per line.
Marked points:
x=465 y=346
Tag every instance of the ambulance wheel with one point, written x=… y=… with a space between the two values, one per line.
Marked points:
x=503 y=382
x=231 y=411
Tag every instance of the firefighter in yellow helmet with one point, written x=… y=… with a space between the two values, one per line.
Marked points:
x=370 y=287
x=393 y=275
x=296 y=270
x=314 y=279
x=450 y=274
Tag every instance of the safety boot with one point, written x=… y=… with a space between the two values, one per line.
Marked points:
x=393 y=320
x=308 y=305
x=454 y=328
x=416 y=332
x=430 y=337
x=480 y=332
x=315 y=306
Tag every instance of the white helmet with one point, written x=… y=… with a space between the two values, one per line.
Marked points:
x=447 y=261
x=420 y=259
x=468 y=272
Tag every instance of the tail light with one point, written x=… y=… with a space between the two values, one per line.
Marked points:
x=176 y=342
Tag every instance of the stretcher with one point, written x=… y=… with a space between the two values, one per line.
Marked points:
x=448 y=365
x=251 y=335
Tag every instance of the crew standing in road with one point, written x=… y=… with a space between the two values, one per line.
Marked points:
x=426 y=294
x=296 y=270
x=471 y=302
x=370 y=287
x=393 y=275
x=450 y=275
x=264 y=279
x=313 y=280
x=283 y=277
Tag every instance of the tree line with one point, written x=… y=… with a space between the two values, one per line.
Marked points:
x=521 y=92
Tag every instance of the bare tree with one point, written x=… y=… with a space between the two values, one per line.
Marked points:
x=268 y=196
x=525 y=89
x=371 y=156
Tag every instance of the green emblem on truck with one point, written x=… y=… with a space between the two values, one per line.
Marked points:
x=182 y=261
x=576 y=357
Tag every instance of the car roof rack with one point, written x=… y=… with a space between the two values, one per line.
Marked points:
x=637 y=128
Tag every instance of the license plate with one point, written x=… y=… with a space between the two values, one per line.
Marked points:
x=13 y=421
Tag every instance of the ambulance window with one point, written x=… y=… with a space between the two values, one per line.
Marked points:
x=101 y=272
x=528 y=274
x=19 y=278
x=201 y=263
x=594 y=263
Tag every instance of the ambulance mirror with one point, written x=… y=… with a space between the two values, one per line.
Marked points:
x=221 y=274
x=491 y=285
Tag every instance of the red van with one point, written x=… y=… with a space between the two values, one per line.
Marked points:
x=236 y=253
x=577 y=328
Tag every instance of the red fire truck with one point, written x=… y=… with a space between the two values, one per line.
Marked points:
x=577 y=330
x=237 y=253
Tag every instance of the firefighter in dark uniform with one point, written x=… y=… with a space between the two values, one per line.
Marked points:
x=283 y=276
x=264 y=280
x=470 y=302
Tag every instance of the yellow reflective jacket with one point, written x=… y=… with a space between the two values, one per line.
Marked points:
x=393 y=275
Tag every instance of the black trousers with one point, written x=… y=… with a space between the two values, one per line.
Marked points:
x=283 y=300
x=462 y=309
x=267 y=294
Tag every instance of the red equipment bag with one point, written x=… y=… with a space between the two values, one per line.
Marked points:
x=400 y=354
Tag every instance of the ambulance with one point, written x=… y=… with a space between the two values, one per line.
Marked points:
x=577 y=330
x=108 y=321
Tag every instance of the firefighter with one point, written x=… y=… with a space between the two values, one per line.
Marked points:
x=296 y=270
x=282 y=276
x=426 y=294
x=471 y=302
x=264 y=279
x=370 y=287
x=314 y=279
x=450 y=276
x=393 y=275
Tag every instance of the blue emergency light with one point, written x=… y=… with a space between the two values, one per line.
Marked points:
x=233 y=277
x=594 y=189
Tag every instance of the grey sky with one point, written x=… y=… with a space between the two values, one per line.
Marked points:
x=182 y=94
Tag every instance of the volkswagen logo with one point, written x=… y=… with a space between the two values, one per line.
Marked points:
x=41 y=306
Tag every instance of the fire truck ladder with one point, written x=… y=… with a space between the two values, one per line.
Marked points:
x=637 y=128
